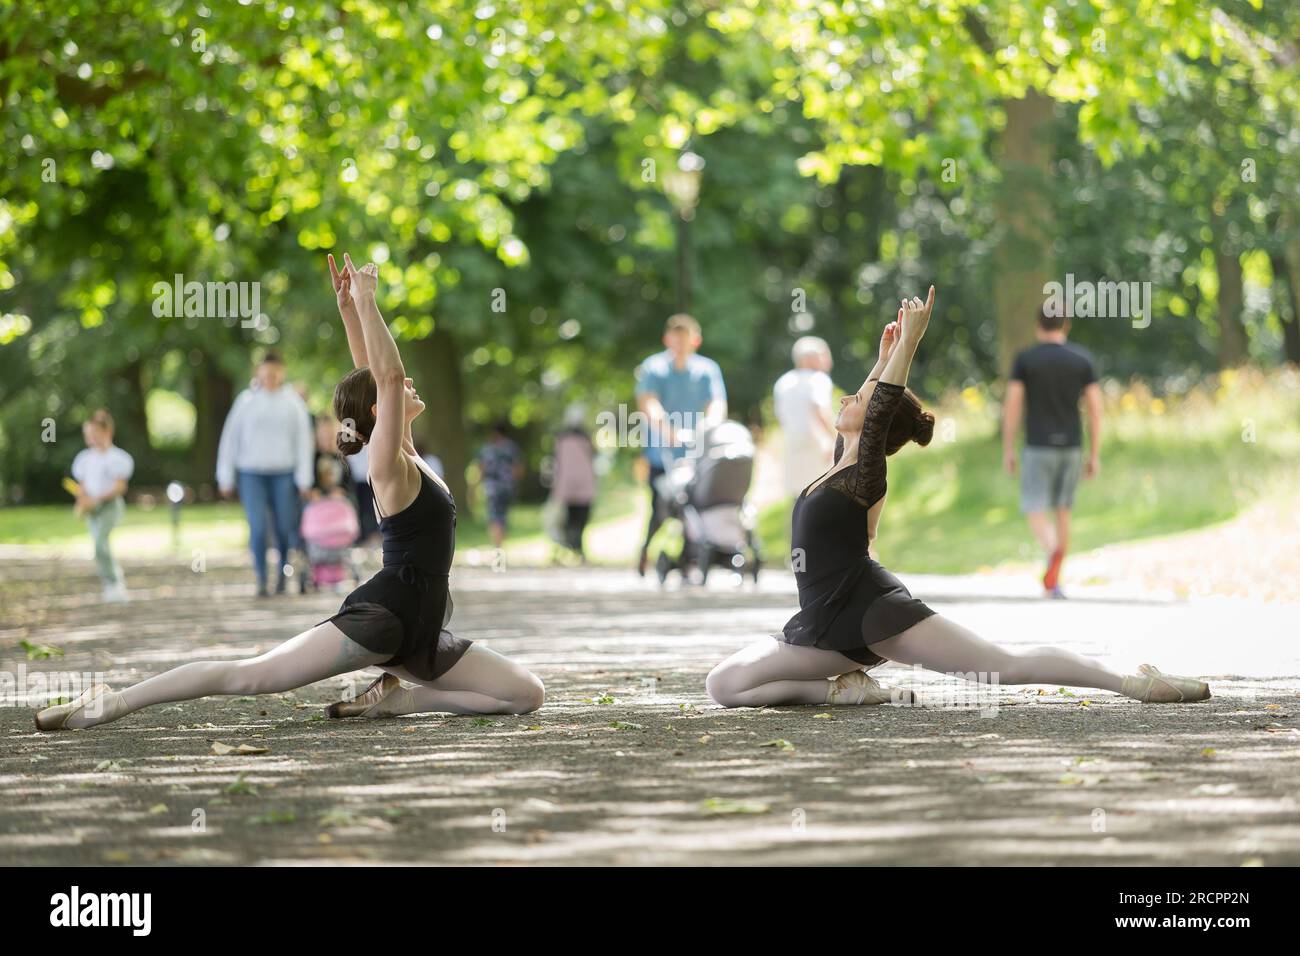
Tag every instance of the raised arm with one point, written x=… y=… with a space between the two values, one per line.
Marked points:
x=387 y=461
x=348 y=310
x=869 y=483
x=913 y=320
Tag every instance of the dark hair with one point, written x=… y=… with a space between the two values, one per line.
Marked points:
x=354 y=397
x=911 y=423
x=501 y=427
x=1052 y=323
x=271 y=357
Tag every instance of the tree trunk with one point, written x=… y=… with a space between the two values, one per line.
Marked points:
x=435 y=362
x=130 y=416
x=1021 y=266
x=1286 y=278
x=213 y=394
x=1232 y=334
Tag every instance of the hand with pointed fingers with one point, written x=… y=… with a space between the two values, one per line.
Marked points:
x=914 y=315
x=342 y=282
x=365 y=281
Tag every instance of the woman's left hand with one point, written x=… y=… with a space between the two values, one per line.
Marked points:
x=342 y=281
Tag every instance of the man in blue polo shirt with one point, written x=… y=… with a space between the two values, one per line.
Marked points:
x=677 y=390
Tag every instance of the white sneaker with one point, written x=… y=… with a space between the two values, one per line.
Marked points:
x=860 y=688
x=115 y=594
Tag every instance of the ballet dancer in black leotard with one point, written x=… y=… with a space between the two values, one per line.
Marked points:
x=853 y=614
x=395 y=621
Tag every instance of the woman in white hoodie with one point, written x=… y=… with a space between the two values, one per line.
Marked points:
x=268 y=452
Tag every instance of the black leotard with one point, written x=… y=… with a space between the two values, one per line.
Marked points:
x=847 y=601
x=403 y=609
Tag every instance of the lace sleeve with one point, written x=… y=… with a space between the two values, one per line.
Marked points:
x=869 y=473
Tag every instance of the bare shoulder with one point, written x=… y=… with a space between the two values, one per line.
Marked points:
x=423 y=466
x=396 y=487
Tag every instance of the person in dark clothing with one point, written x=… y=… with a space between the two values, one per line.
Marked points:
x=501 y=465
x=854 y=614
x=1046 y=383
x=396 y=620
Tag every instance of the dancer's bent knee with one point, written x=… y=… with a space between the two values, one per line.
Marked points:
x=725 y=685
x=529 y=697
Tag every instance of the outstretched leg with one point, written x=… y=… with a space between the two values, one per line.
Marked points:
x=774 y=672
x=941 y=645
x=481 y=682
x=317 y=654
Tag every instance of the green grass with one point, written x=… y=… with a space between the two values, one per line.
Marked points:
x=147 y=531
x=1167 y=466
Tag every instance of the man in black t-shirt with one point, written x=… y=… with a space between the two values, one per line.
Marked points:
x=1046 y=383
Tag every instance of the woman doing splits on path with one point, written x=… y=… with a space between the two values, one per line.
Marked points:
x=853 y=614
x=395 y=620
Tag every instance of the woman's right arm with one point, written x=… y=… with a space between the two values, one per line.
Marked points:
x=869 y=482
x=348 y=311
x=387 y=461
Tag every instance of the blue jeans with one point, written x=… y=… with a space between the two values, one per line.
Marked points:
x=276 y=494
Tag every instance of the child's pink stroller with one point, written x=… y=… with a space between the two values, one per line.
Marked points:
x=329 y=529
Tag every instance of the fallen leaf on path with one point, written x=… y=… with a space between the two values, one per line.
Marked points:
x=221 y=750
x=779 y=744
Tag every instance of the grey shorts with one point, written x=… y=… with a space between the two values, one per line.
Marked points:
x=1048 y=477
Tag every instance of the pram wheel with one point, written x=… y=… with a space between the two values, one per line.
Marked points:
x=705 y=562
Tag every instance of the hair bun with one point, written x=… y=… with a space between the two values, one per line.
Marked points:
x=924 y=429
x=349 y=443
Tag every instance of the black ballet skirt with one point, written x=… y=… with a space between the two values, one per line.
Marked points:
x=403 y=610
x=848 y=601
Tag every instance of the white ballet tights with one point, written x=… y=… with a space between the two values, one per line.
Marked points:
x=771 y=672
x=938 y=644
x=481 y=682
x=314 y=655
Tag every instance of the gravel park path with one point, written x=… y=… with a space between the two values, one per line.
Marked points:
x=629 y=762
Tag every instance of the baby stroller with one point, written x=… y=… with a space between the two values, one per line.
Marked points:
x=329 y=528
x=705 y=489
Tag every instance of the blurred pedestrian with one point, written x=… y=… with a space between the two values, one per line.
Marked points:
x=678 y=390
x=101 y=471
x=500 y=467
x=574 y=487
x=802 y=399
x=1046 y=383
x=267 y=452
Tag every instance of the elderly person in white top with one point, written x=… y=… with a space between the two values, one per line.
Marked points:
x=267 y=448
x=803 y=407
x=101 y=471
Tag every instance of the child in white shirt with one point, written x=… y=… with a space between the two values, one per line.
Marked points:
x=102 y=470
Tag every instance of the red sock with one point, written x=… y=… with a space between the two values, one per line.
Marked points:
x=1053 y=574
